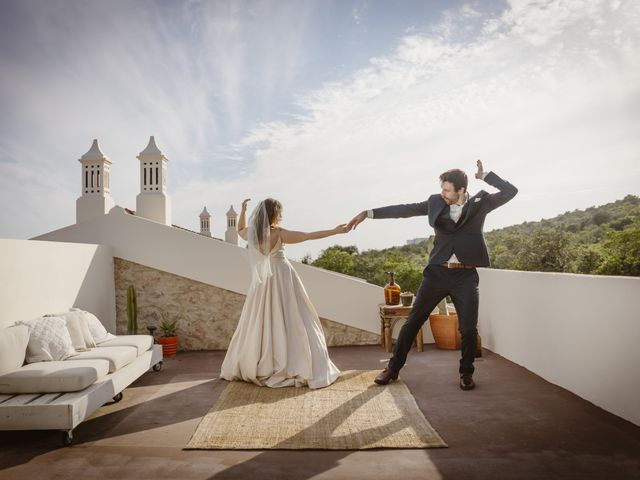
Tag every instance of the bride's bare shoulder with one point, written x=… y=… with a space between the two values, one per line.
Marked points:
x=277 y=233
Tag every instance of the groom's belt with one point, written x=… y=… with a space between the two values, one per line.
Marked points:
x=456 y=265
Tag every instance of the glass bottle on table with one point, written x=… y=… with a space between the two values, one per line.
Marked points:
x=391 y=291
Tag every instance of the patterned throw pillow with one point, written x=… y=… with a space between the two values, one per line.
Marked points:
x=78 y=327
x=48 y=339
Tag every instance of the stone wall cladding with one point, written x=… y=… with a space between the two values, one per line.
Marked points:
x=206 y=315
x=339 y=334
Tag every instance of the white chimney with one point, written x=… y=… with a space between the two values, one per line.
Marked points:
x=95 y=200
x=205 y=223
x=153 y=202
x=231 y=235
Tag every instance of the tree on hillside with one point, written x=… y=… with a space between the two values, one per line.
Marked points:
x=544 y=251
x=621 y=253
x=337 y=259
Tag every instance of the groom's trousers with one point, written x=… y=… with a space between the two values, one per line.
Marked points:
x=438 y=282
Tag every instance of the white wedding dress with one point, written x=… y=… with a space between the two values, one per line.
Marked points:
x=279 y=340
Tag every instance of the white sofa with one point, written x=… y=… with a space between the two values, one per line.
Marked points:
x=60 y=394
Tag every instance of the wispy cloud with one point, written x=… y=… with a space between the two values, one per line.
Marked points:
x=193 y=74
x=545 y=92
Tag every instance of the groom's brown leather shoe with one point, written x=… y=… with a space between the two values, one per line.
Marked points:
x=386 y=376
x=466 y=381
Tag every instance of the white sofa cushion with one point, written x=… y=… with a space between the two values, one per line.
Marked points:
x=78 y=327
x=54 y=377
x=13 y=347
x=48 y=339
x=117 y=357
x=141 y=342
x=98 y=332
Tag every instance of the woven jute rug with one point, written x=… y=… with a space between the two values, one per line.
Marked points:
x=351 y=414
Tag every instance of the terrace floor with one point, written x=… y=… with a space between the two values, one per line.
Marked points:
x=514 y=425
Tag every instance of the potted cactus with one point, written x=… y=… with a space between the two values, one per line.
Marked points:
x=132 y=311
x=169 y=339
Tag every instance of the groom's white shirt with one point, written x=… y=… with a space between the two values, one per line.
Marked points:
x=455 y=211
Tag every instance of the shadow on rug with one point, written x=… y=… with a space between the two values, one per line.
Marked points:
x=352 y=414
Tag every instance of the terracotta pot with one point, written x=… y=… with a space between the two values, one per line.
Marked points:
x=169 y=346
x=445 y=331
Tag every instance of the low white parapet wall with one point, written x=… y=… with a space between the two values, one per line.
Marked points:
x=50 y=277
x=580 y=332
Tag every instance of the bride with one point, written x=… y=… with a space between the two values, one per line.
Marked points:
x=279 y=340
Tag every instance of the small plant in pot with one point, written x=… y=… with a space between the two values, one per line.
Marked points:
x=169 y=339
x=406 y=298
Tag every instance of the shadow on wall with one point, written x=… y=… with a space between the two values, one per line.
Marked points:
x=97 y=291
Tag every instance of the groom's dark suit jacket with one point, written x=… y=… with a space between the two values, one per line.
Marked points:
x=465 y=237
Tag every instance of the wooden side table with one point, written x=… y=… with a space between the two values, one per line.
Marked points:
x=389 y=316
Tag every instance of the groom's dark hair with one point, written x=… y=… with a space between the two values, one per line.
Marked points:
x=457 y=177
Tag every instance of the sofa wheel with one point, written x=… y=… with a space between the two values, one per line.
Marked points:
x=67 y=438
x=118 y=397
x=157 y=367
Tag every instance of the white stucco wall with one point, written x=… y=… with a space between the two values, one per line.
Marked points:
x=337 y=297
x=50 y=277
x=578 y=331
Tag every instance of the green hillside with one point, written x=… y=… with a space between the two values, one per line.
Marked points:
x=599 y=240
x=602 y=240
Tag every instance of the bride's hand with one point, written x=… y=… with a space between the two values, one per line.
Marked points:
x=244 y=203
x=342 y=228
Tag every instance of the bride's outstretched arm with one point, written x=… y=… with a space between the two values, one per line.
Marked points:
x=242 y=223
x=291 y=236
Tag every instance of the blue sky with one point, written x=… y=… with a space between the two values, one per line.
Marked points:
x=332 y=107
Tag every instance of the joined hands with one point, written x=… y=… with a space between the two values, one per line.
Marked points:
x=342 y=228
x=357 y=220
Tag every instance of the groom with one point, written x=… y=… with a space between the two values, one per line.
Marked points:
x=458 y=249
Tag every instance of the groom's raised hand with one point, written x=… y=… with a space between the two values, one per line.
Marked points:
x=480 y=172
x=357 y=220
